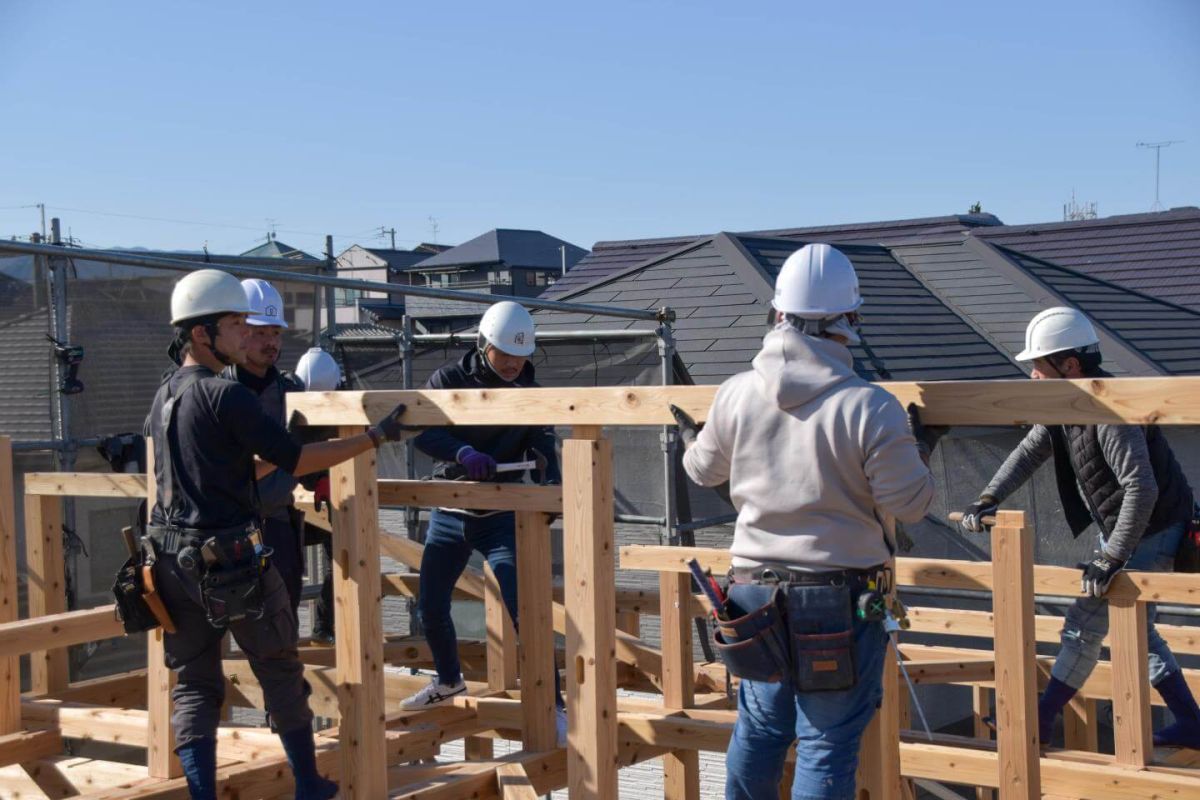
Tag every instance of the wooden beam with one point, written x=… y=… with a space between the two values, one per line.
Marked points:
x=681 y=768
x=161 y=761
x=123 y=690
x=501 y=637
x=957 y=670
x=86 y=484
x=1140 y=401
x=590 y=618
x=465 y=494
x=879 y=755
x=22 y=746
x=1081 y=724
x=513 y=783
x=60 y=630
x=1016 y=655
x=358 y=600
x=10 y=665
x=981 y=706
x=534 y=573
x=46 y=587
x=1131 y=682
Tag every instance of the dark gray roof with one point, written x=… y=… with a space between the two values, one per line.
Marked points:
x=610 y=258
x=277 y=249
x=720 y=289
x=1157 y=253
x=398 y=260
x=515 y=248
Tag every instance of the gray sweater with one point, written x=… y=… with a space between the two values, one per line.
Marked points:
x=1124 y=448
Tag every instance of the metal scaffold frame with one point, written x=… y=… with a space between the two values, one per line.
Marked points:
x=373 y=748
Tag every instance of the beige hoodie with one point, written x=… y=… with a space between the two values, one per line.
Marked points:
x=820 y=462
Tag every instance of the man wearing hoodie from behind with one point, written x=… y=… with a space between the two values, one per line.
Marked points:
x=820 y=465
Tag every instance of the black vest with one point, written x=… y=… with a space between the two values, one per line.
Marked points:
x=1080 y=467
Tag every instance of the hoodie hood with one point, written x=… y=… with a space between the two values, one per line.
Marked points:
x=795 y=369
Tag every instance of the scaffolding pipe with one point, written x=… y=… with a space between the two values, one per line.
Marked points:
x=153 y=262
x=469 y=338
x=669 y=437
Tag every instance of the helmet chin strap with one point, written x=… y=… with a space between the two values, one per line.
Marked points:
x=212 y=331
x=487 y=362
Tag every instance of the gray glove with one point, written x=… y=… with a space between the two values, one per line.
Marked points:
x=972 y=519
x=1098 y=574
x=688 y=427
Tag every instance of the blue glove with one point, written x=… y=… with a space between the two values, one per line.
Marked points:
x=1098 y=574
x=479 y=466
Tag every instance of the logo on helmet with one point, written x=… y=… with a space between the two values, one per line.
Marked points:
x=519 y=337
x=271 y=311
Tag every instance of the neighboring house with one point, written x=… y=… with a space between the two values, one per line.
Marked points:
x=377 y=264
x=515 y=263
x=273 y=248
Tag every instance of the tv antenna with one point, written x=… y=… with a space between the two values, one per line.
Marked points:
x=1157 y=148
x=433 y=226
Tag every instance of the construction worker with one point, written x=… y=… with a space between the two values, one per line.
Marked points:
x=819 y=464
x=282 y=522
x=1125 y=480
x=500 y=359
x=203 y=540
x=320 y=373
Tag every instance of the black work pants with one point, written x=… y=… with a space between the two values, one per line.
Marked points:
x=193 y=652
x=287 y=555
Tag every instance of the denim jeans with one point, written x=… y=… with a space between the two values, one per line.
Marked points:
x=827 y=726
x=1086 y=622
x=448 y=546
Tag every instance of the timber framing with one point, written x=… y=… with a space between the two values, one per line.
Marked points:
x=377 y=751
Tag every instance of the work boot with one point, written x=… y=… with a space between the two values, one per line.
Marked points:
x=1185 y=732
x=301 y=753
x=199 y=760
x=1050 y=705
x=323 y=636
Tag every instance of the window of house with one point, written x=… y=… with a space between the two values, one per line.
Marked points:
x=530 y=278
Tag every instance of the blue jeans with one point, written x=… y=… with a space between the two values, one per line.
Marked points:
x=827 y=726
x=448 y=546
x=1086 y=622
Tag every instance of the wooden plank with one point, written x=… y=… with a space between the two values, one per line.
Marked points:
x=681 y=768
x=535 y=600
x=501 y=637
x=1016 y=655
x=879 y=755
x=46 y=587
x=161 y=761
x=124 y=690
x=1130 y=682
x=513 y=783
x=590 y=618
x=465 y=494
x=358 y=600
x=61 y=630
x=628 y=621
x=981 y=706
x=1141 y=401
x=10 y=665
x=86 y=484
x=1081 y=724
x=22 y=746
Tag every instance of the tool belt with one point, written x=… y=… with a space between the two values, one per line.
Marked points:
x=129 y=589
x=805 y=632
x=227 y=564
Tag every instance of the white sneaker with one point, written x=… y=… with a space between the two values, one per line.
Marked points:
x=560 y=726
x=432 y=695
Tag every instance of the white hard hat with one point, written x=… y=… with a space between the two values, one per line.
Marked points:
x=266 y=304
x=206 y=292
x=816 y=282
x=318 y=371
x=508 y=327
x=1056 y=330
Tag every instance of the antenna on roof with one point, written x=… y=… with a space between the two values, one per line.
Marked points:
x=433 y=226
x=270 y=233
x=1074 y=212
x=1157 y=148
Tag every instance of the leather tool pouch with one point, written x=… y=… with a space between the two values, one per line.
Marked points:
x=821 y=627
x=753 y=644
x=232 y=589
x=129 y=590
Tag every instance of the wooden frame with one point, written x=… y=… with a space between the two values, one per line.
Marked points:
x=357 y=682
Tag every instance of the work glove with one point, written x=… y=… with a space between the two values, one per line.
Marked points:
x=321 y=493
x=972 y=518
x=390 y=428
x=688 y=427
x=927 y=436
x=479 y=466
x=1098 y=574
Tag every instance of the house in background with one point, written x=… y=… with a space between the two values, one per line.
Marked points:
x=377 y=264
x=273 y=248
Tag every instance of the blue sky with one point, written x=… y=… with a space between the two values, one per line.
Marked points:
x=618 y=120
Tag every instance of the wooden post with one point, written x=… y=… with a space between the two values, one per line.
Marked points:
x=161 y=761
x=879 y=755
x=981 y=705
x=10 y=666
x=46 y=582
x=1130 y=682
x=630 y=622
x=681 y=768
x=591 y=616
x=535 y=595
x=358 y=609
x=1081 y=725
x=1016 y=656
x=501 y=638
